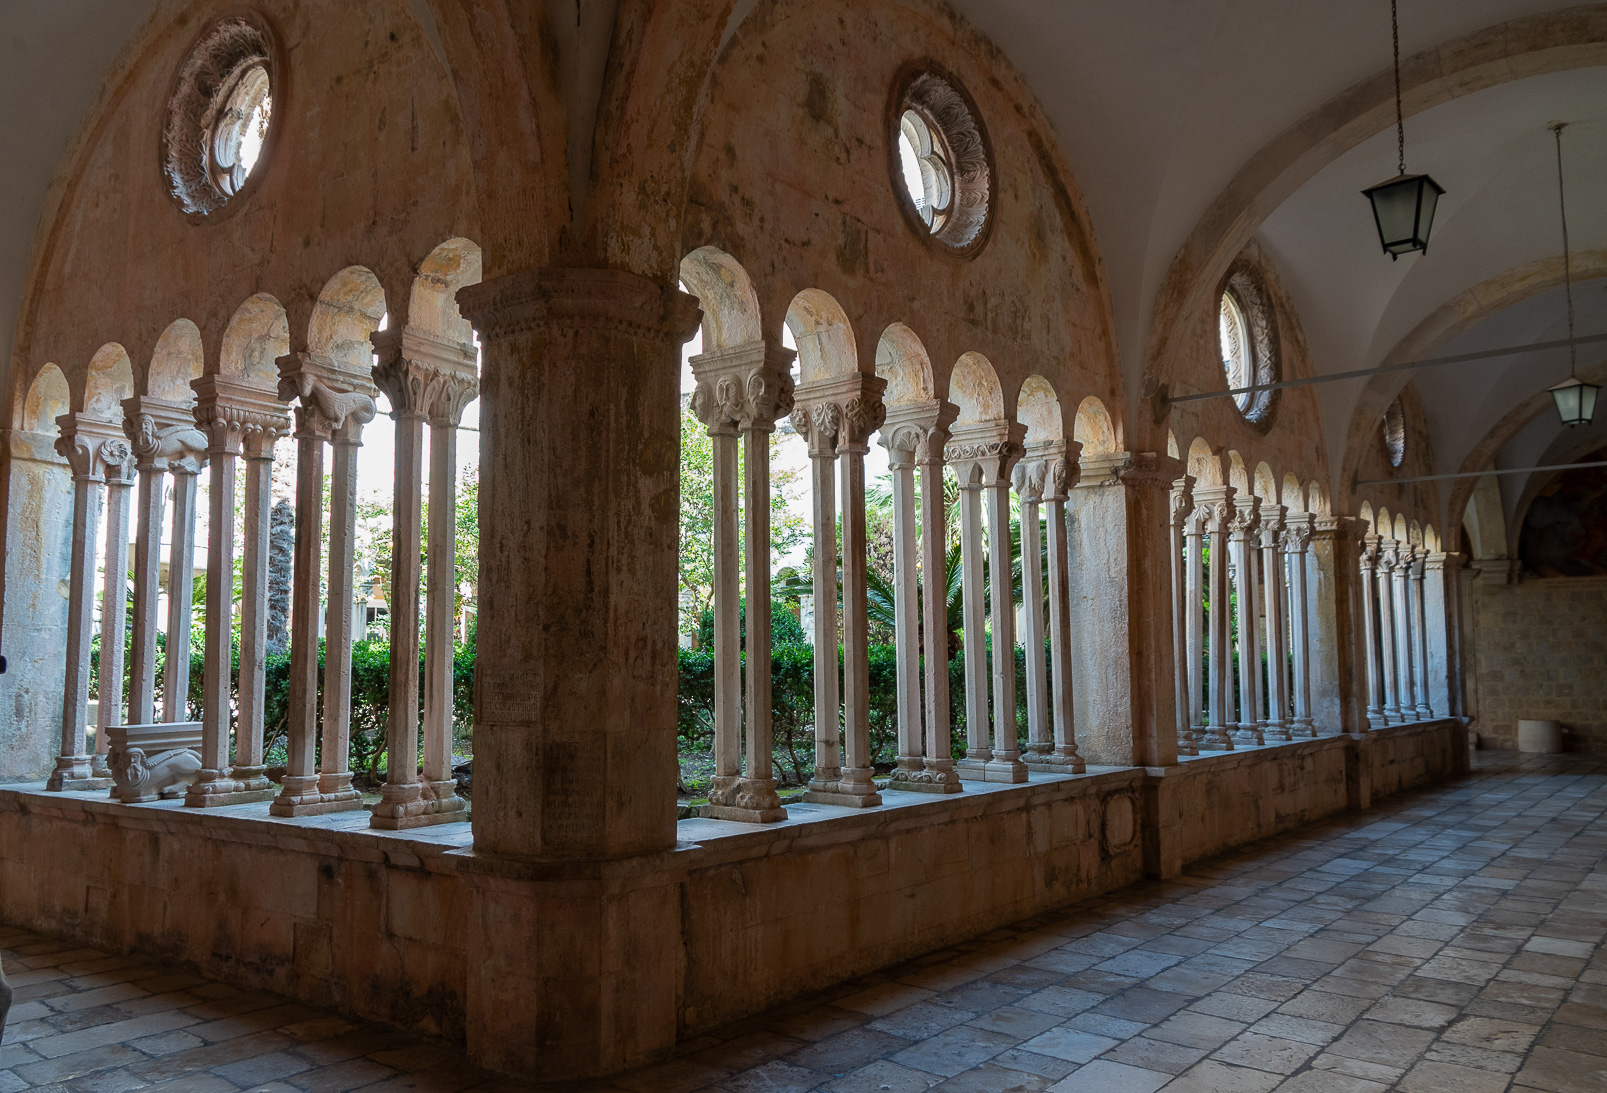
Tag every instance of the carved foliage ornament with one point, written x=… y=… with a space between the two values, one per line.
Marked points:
x=1248 y=326
x=220 y=105
x=939 y=125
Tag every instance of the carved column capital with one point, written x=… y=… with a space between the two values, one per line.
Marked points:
x=424 y=376
x=163 y=435
x=95 y=450
x=1246 y=518
x=568 y=299
x=1182 y=500
x=237 y=415
x=743 y=387
x=326 y=394
x=839 y=413
x=1047 y=471
x=983 y=453
x=918 y=430
x=1298 y=529
x=1272 y=523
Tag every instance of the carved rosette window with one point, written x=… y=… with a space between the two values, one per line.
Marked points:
x=1248 y=338
x=219 y=114
x=1394 y=433
x=942 y=163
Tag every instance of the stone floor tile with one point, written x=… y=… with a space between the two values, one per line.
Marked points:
x=357 y=1073
x=816 y=1022
x=1270 y=1053
x=1030 y=1062
x=1106 y=1076
x=1013 y=1021
x=921 y=1020
x=1214 y=1077
x=1199 y=1030
x=1141 y=1051
x=954 y=1050
x=1429 y=1077
x=1502 y=1062
x=1411 y=1011
x=1492 y=1034
x=840 y=1053
x=1069 y=1044
x=1235 y=1007
x=1390 y=1045
x=1061 y=1001
x=1329 y=1081
x=992 y=1078
x=885 y=998
x=262 y=1068
x=882 y=1076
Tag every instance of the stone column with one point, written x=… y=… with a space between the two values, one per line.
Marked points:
x=88 y=445
x=1425 y=709
x=1183 y=641
x=333 y=403
x=1405 y=670
x=1241 y=542
x=818 y=425
x=1028 y=479
x=250 y=770
x=1059 y=461
x=1370 y=633
x=742 y=391
x=847 y=409
x=1438 y=599
x=426 y=380
x=1388 y=558
x=984 y=455
x=941 y=776
x=1194 y=526
x=113 y=608
x=228 y=411
x=186 y=470
x=1296 y=550
x=973 y=608
x=1221 y=512
x=1277 y=720
x=911 y=434
x=160 y=434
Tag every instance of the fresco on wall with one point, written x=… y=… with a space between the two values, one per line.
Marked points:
x=1565 y=532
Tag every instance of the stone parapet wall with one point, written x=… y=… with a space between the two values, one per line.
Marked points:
x=1540 y=649
x=421 y=933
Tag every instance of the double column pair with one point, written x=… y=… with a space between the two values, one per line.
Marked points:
x=983 y=455
x=741 y=392
x=837 y=415
x=1397 y=659
x=1042 y=481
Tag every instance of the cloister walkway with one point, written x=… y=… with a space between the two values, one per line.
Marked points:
x=1451 y=939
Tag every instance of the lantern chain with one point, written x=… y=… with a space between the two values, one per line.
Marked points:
x=1400 y=122
x=1567 y=271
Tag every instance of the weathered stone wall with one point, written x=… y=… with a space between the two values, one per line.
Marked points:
x=1540 y=651
x=729 y=922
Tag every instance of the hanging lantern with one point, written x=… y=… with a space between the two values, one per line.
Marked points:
x=1576 y=400
x=1403 y=209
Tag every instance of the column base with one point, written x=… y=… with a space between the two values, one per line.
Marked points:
x=925 y=779
x=1275 y=731
x=1425 y=713
x=417 y=804
x=975 y=764
x=74 y=774
x=215 y=788
x=1248 y=735
x=744 y=815
x=1005 y=767
x=98 y=767
x=1303 y=729
x=853 y=790
x=1216 y=740
x=1186 y=745
x=301 y=796
x=1061 y=762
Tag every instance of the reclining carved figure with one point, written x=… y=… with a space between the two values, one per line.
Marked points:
x=165 y=775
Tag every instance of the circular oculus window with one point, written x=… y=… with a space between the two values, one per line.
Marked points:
x=1394 y=431
x=1247 y=342
x=942 y=167
x=219 y=115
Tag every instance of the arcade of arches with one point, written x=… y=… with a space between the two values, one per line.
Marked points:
x=975 y=244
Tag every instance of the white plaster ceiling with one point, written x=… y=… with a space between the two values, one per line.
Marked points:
x=1158 y=103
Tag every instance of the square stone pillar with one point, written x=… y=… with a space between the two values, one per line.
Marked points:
x=1122 y=609
x=574 y=939
x=1439 y=631
x=1338 y=679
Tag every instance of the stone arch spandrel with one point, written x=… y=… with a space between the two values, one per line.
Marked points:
x=348 y=310
x=1266 y=484
x=1238 y=474
x=826 y=347
x=1401 y=534
x=432 y=305
x=1038 y=408
x=110 y=379
x=903 y=362
x=726 y=295
x=974 y=388
x=1203 y=464
x=1093 y=428
x=256 y=337
x=1366 y=513
x=1317 y=502
x=1414 y=533
x=177 y=359
x=1292 y=496
x=48 y=397
x=1384 y=524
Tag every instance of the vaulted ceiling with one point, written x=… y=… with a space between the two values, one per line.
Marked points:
x=1159 y=106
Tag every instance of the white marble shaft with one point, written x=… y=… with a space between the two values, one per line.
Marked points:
x=844 y=409
x=427 y=381
x=1242 y=540
x=1194 y=527
x=1370 y=632
x=1182 y=498
x=1405 y=668
x=914 y=435
x=983 y=455
x=250 y=770
x=163 y=437
x=181 y=587
x=333 y=404
x=1054 y=469
x=89 y=445
x=1276 y=719
x=234 y=414
x=1218 y=514
x=1298 y=529
x=741 y=392
x=1425 y=707
x=120 y=476
x=1388 y=558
